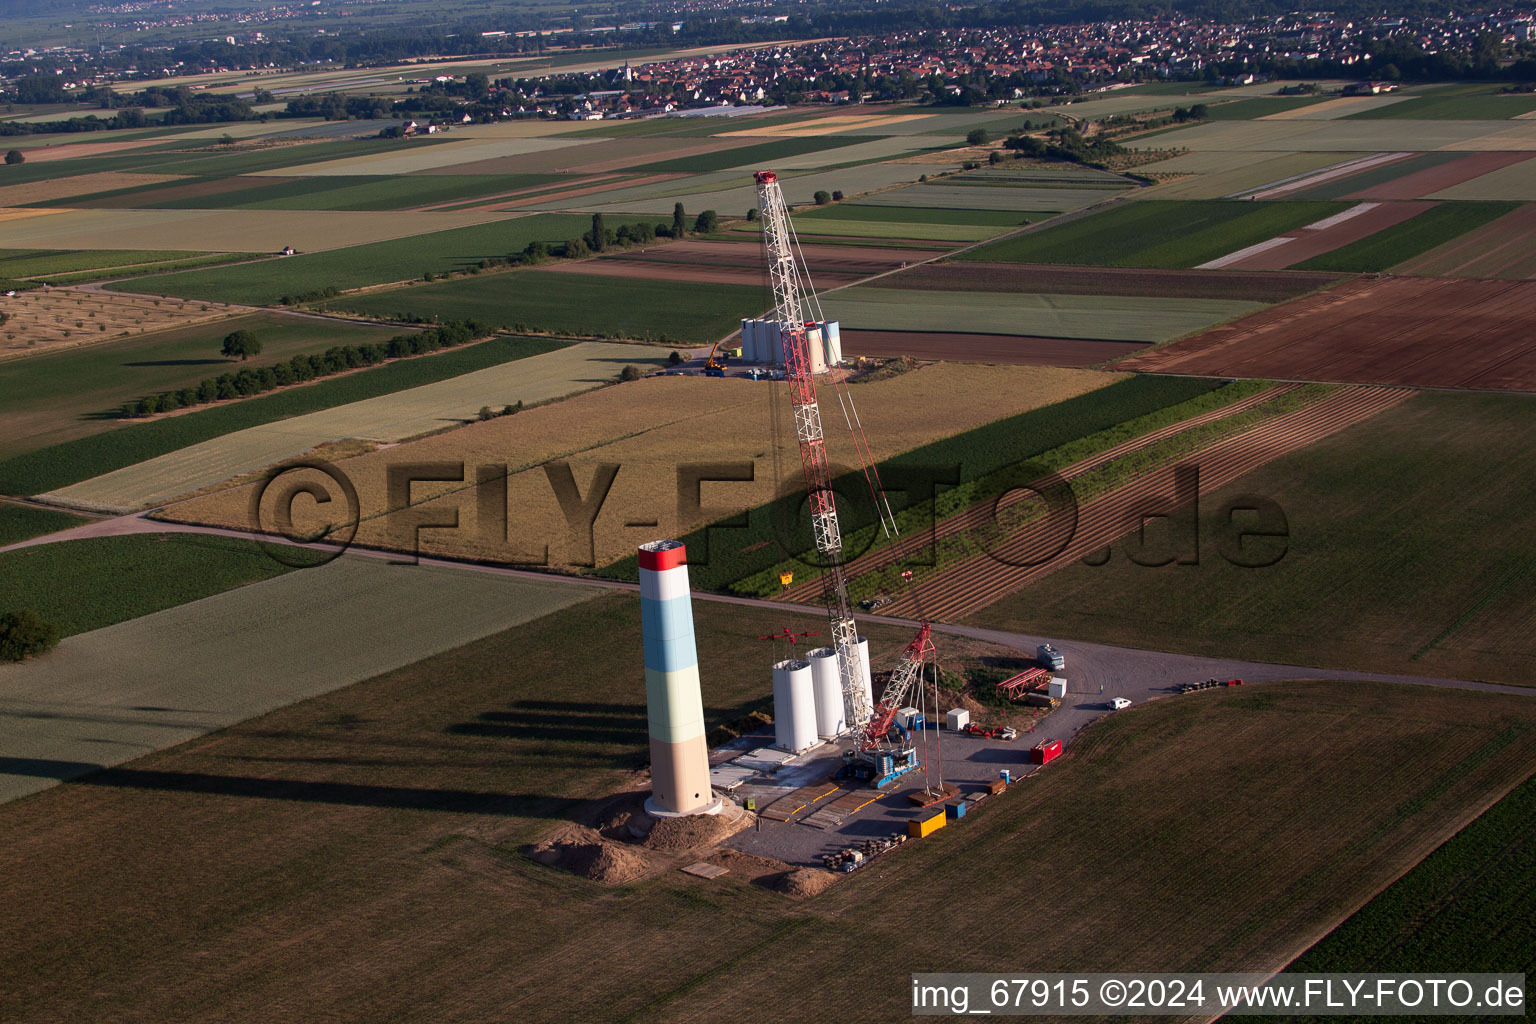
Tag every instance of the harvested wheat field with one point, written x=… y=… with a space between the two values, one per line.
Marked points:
x=647 y=430
x=387 y=419
x=46 y=319
x=79 y=185
x=1449 y=333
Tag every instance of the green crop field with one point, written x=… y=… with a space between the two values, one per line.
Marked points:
x=80 y=585
x=932 y=195
x=1411 y=238
x=574 y=303
x=60 y=465
x=1488 y=106
x=742 y=156
x=399 y=259
x=1100 y=317
x=1369 y=522
x=20 y=264
x=56 y=396
x=915 y=215
x=738 y=553
x=396 y=811
x=1471 y=902
x=1157 y=233
x=23 y=522
x=1258 y=106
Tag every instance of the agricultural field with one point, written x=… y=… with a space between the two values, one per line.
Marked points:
x=245 y=231
x=70 y=462
x=58 y=396
x=23 y=522
x=1409 y=238
x=1016 y=198
x=352 y=192
x=1455 y=103
x=1388 y=330
x=1108 y=317
x=649 y=429
x=1156 y=233
x=1368 y=522
x=64 y=267
x=357 y=266
x=1515 y=183
x=43 y=320
x=1361 y=228
x=574 y=303
x=510 y=763
x=1476 y=890
x=82 y=585
x=384 y=420
x=1235 y=285
x=927 y=224
x=321 y=633
x=830 y=262
x=1347 y=135
x=1250 y=172
x=1495 y=250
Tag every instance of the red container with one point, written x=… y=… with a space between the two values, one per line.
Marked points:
x=1045 y=751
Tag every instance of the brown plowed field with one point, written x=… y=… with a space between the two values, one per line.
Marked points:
x=591 y=158
x=985 y=348
x=1433 y=179
x=1427 y=332
x=974 y=584
x=1307 y=243
x=1059 y=280
x=810 y=592
x=1501 y=249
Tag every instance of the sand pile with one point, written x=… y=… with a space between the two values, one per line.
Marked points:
x=804 y=882
x=583 y=851
x=698 y=830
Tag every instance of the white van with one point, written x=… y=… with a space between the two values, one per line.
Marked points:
x=1120 y=703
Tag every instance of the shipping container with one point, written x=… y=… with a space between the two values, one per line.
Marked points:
x=1045 y=751
x=996 y=786
x=926 y=827
x=958 y=719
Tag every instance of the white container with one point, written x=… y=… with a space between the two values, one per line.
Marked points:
x=831 y=719
x=1057 y=688
x=794 y=706
x=957 y=719
x=907 y=717
x=773 y=343
x=832 y=341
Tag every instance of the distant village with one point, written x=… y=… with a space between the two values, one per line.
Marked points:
x=971 y=67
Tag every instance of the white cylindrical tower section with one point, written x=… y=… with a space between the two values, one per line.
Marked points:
x=832 y=341
x=794 y=706
x=747 y=338
x=831 y=720
x=815 y=348
x=864 y=677
x=773 y=343
x=673 y=702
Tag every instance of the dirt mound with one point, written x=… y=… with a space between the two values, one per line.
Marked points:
x=585 y=852
x=805 y=882
x=760 y=870
x=696 y=830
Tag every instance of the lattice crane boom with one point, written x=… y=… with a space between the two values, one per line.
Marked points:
x=789 y=312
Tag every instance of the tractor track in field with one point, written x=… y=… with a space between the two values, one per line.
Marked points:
x=977 y=582
x=982 y=513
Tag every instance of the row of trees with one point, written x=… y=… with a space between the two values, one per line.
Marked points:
x=338 y=359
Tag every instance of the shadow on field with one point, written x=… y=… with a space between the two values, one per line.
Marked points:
x=526 y=805
x=561 y=721
x=43 y=768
